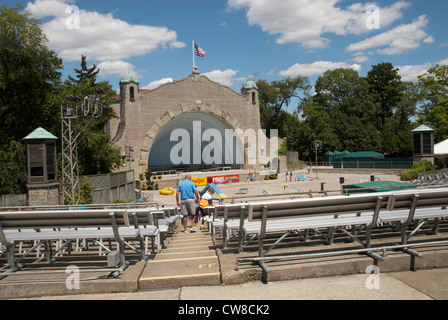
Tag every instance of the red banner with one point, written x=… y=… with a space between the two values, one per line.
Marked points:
x=219 y=179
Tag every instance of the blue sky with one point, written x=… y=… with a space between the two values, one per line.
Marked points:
x=269 y=38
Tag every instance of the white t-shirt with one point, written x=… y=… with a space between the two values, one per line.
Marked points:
x=207 y=196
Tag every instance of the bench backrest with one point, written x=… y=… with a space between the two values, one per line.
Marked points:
x=320 y=206
x=371 y=202
x=427 y=198
x=303 y=207
x=419 y=199
x=142 y=217
x=149 y=216
x=63 y=219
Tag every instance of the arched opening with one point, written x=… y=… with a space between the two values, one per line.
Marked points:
x=195 y=141
x=131 y=93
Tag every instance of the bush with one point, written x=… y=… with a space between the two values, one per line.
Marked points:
x=424 y=166
x=86 y=192
x=412 y=174
x=409 y=174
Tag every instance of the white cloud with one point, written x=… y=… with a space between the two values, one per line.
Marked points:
x=360 y=57
x=223 y=77
x=397 y=40
x=411 y=72
x=305 y=21
x=316 y=68
x=47 y=8
x=429 y=39
x=158 y=83
x=100 y=36
x=443 y=62
x=116 y=67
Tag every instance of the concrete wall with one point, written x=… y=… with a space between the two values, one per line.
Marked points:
x=145 y=116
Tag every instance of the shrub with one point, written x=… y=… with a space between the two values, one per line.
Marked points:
x=412 y=174
x=86 y=192
x=409 y=174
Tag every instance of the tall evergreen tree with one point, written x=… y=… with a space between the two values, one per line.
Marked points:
x=386 y=88
x=95 y=152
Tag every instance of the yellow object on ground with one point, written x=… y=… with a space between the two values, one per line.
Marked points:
x=167 y=192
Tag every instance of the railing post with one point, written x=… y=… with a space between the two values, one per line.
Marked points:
x=240 y=229
x=262 y=233
x=119 y=240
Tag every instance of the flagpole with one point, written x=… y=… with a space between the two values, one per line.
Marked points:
x=194 y=61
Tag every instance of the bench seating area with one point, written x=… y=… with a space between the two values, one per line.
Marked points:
x=58 y=230
x=352 y=215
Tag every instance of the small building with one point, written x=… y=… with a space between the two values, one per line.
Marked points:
x=42 y=183
x=423 y=137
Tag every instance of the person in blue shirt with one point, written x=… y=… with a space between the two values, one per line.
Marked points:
x=187 y=196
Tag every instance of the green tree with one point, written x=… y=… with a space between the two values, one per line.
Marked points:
x=12 y=168
x=433 y=87
x=277 y=95
x=346 y=98
x=397 y=135
x=95 y=152
x=86 y=192
x=29 y=85
x=316 y=126
x=386 y=88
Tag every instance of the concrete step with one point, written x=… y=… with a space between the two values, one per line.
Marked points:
x=188 y=260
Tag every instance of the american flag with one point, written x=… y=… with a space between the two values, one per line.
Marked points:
x=199 y=52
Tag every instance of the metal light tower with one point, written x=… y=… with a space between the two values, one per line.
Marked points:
x=75 y=109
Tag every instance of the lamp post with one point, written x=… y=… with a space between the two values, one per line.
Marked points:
x=129 y=158
x=317 y=145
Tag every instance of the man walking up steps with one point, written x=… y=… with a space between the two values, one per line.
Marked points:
x=187 y=196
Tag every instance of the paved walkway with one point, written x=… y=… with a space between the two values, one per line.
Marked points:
x=421 y=285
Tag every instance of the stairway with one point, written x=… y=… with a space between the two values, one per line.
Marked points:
x=189 y=259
